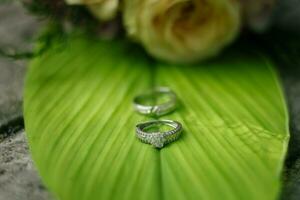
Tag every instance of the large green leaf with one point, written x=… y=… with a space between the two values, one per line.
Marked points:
x=80 y=124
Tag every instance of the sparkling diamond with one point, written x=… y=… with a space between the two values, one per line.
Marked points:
x=158 y=141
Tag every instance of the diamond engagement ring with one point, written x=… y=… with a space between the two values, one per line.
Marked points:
x=157 y=102
x=148 y=132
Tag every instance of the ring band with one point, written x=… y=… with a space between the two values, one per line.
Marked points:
x=156 y=110
x=158 y=139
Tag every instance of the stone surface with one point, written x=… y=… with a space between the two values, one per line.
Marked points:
x=291 y=177
x=16 y=31
x=18 y=177
x=11 y=83
x=288 y=60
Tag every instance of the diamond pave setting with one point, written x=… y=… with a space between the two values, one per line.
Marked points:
x=158 y=139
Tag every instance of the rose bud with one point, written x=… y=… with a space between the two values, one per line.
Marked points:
x=101 y=9
x=182 y=30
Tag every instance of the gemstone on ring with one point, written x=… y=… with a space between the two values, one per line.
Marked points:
x=149 y=102
x=158 y=138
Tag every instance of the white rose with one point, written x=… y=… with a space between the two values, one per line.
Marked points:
x=182 y=30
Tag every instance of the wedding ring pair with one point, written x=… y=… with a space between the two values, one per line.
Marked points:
x=155 y=103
